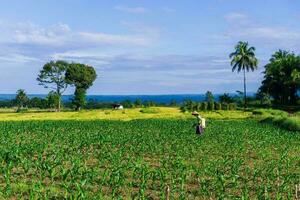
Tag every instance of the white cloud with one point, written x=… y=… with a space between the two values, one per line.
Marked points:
x=233 y=16
x=114 y=39
x=268 y=33
x=136 y=10
x=17 y=58
x=61 y=35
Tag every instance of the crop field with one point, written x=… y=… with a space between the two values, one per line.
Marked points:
x=109 y=114
x=147 y=159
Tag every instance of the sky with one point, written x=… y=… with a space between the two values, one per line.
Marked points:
x=143 y=46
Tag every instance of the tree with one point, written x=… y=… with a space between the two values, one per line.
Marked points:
x=209 y=98
x=226 y=98
x=21 y=98
x=243 y=59
x=53 y=76
x=282 y=78
x=82 y=77
x=138 y=103
x=53 y=100
x=37 y=102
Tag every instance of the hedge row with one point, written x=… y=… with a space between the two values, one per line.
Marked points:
x=207 y=106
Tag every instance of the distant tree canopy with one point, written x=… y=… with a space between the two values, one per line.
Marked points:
x=282 y=78
x=82 y=77
x=226 y=98
x=209 y=97
x=21 y=98
x=53 y=76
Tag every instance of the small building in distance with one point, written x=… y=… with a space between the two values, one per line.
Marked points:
x=117 y=106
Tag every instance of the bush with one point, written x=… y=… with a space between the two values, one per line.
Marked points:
x=204 y=106
x=211 y=105
x=232 y=106
x=22 y=110
x=289 y=123
x=218 y=106
x=257 y=112
x=149 y=110
x=225 y=106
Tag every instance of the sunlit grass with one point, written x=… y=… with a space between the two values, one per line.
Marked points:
x=127 y=114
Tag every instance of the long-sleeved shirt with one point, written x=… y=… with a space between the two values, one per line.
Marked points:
x=201 y=121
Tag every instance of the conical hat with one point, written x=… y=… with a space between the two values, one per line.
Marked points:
x=195 y=113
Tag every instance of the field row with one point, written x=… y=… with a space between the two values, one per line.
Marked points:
x=147 y=159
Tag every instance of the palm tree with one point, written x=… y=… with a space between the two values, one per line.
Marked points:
x=243 y=58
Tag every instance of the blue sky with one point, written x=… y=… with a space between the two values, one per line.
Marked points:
x=143 y=46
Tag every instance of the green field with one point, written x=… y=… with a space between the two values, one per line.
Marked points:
x=147 y=159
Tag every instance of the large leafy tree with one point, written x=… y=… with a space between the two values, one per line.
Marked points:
x=82 y=77
x=53 y=76
x=282 y=78
x=243 y=59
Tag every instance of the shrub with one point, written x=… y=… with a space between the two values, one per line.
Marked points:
x=149 y=110
x=218 y=106
x=22 y=110
x=204 y=106
x=211 y=105
x=289 y=123
x=232 y=106
x=198 y=106
x=257 y=112
x=225 y=106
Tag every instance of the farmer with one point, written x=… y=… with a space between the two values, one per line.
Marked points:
x=200 y=126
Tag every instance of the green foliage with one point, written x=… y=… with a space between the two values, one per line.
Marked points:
x=141 y=158
x=127 y=104
x=149 y=103
x=82 y=77
x=21 y=98
x=53 y=100
x=218 y=106
x=211 y=106
x=149 y=110
x=279 y=118
x=226 y=98
x=36 y=102
x=22 y=110
x=243 y=59
x=53 y=76
x=204 y=106
x=281 y=78
x=225 y=106
x=79 y=98
x=138 y=103
x=209 y=97
x=232 y=106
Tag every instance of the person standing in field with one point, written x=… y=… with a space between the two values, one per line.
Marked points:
x=200 y=126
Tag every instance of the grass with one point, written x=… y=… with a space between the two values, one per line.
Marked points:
x=279 y=118
x=141 y=159
x=127 y=114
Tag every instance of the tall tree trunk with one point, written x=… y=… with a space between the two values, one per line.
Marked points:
x=245 y=92
x=59 y=99
x=58 y=109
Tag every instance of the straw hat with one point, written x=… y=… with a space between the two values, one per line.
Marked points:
x=195 y=113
